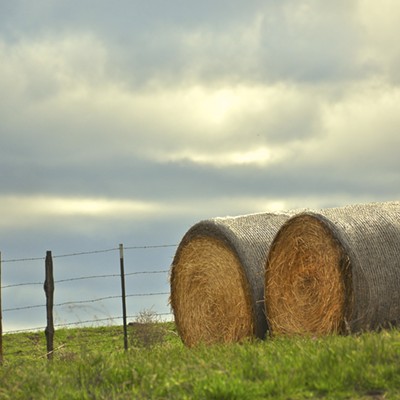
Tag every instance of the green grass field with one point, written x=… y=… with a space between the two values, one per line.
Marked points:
x=90 y=363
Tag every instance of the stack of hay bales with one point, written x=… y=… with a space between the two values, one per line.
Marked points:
x=217 y=278
x=311 y=272
x=335 y=271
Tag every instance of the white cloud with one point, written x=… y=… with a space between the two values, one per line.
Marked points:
x=64 y=106
x=360 y=131
x=27 y=210
x=78 y=111
x=380 y=27
x=260 y=156
x=82 y=114
x=40 y=68
x=32 y=210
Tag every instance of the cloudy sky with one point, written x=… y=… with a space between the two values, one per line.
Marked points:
x=129 y=121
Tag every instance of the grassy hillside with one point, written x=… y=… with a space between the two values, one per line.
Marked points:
x=90 y=363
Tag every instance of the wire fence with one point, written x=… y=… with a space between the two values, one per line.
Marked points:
x=17 y=290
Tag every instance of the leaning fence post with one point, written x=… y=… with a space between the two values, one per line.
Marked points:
x=1 y=322
x=49 y=290
x=121 y=263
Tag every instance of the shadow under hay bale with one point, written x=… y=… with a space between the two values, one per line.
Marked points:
x=335 y=271
x=217 y=278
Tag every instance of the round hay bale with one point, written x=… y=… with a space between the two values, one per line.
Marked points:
x=335 y=271
x=217 y=278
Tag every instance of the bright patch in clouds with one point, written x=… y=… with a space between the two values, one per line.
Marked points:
x=258 y=157
x=66 y=101
x=25 y=209
x=95 y=207
x=65 y=95
x=217 y=105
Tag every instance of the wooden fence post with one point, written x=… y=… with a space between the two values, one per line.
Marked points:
x=1 y=321
x=49 y=290
x=121 y=262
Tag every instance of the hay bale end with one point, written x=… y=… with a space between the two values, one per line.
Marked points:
x=335 y=271
x=217 y=278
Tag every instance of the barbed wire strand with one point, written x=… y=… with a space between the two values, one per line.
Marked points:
x=23 y=259
x=22 y=284
x=150 y=247
x=84 y=253
x=85 y=339
x=81 y=253
x=26 y=259
x=68 y=303
x=66 y=324
x=87 y=277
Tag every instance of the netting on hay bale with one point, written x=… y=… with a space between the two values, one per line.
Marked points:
x=217 y=278
x=335 y=271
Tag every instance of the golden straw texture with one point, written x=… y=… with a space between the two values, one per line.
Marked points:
x=209 y=294
x=305 y=280
x=335 y=270
x=217 y=278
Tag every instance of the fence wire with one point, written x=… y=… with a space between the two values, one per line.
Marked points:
x=84 y=322
x=81 y=253
x=111 y=320
x=87 y=277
